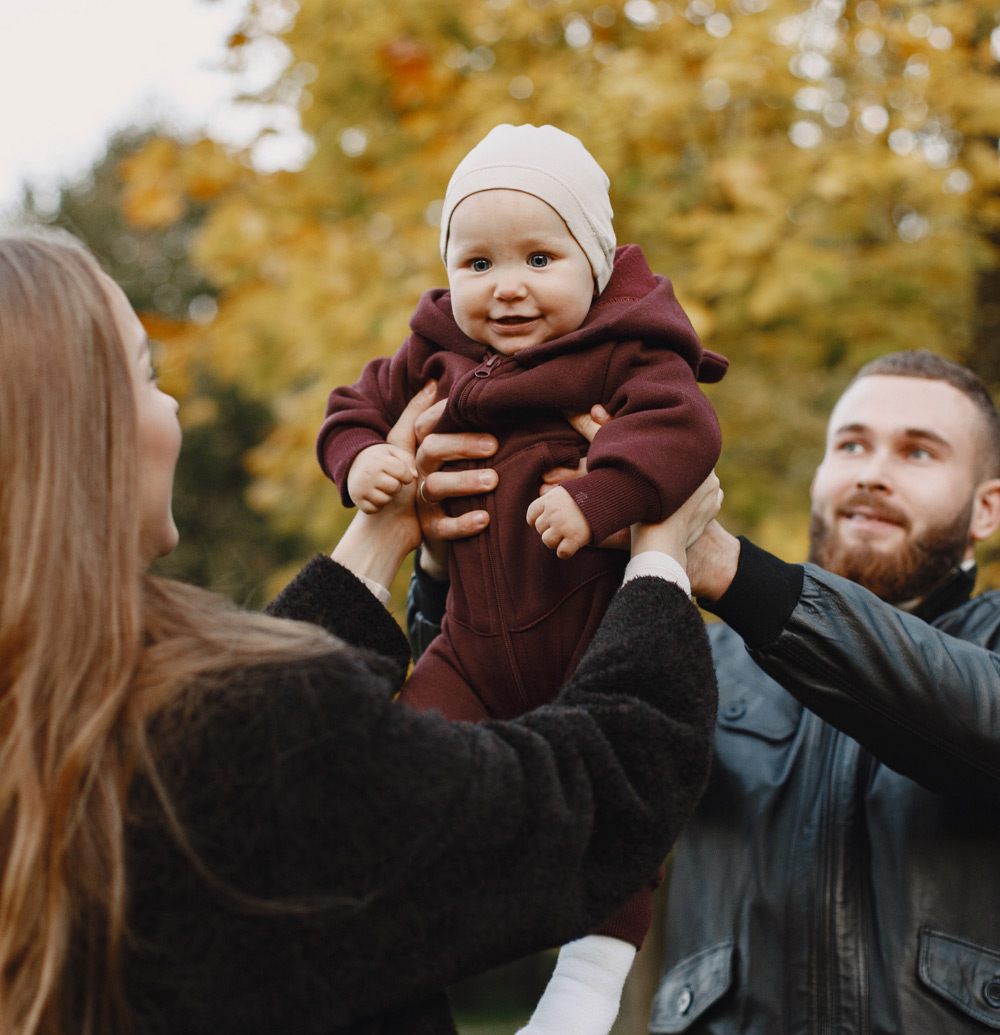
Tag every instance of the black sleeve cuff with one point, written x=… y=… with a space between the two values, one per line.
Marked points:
x=762 y=596
x=329 y=595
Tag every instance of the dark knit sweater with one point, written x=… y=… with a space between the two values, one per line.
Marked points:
x=402 y=852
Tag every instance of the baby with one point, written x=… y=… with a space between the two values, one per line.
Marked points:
x=543 y=317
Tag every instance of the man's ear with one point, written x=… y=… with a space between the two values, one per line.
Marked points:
x=985 y=510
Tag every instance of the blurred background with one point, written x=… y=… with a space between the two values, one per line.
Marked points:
x=819 y=178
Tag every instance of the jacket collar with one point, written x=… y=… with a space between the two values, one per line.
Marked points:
x=952 y=592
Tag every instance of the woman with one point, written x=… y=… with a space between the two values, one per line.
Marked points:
x=215 y=821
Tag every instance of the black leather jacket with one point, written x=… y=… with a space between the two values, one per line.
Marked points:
x=842 y=872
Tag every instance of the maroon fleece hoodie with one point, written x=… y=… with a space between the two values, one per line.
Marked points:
x=518 y=618
x=637 y=353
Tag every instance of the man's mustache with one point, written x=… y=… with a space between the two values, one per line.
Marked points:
x=874 y=507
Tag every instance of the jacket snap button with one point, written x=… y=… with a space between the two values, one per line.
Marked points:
x=991 y=992
x=735 y=709
x=684 y=1000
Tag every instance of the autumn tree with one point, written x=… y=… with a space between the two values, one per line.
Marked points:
x=820 y=180
x=224 y=543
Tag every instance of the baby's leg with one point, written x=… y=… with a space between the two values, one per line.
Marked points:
x=585 y=990
x=438 y=683
x=633 y=920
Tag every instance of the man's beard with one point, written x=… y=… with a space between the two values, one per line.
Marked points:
x=906 y=573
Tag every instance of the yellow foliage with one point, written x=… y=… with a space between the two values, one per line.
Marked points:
x=153 y=195
x=820 y=188
x=206 y=171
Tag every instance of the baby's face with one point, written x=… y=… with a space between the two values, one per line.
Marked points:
x=517 y=275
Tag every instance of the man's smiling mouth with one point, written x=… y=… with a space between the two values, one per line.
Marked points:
x=873 y=516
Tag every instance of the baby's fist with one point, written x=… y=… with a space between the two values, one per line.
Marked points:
x=560 y=522
x=377 y=474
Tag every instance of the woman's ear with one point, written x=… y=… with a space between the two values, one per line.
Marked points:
x=985 y=510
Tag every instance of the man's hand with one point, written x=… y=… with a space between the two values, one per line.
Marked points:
x=377 y=474
x=560 y=522
x=712 y=561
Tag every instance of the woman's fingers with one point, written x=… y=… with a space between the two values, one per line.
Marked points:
x=688 y=521
x=436 y=449
x=439 y=526
x=403 y=433
x=589 y=424
x=441 y=485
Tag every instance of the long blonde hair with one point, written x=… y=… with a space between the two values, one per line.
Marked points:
x=90 y=645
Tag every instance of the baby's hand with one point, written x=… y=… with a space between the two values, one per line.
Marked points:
x=560 y=522
x=377 y=474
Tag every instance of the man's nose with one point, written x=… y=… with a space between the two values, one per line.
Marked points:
x=873 y=471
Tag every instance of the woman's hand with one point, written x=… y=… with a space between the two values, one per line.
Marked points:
x=675 y=534
x=588 y=424
x=375 y=545
x=711 y=566
x=435 y=486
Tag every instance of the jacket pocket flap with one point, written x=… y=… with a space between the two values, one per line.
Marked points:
x=967 y=975
x=691 y=987
x=770 y=718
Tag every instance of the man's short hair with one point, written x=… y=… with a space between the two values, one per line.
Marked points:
x=932 y=367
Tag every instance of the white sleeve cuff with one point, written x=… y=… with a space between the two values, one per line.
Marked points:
x=380 y=592
x=660 y=565
x=585 y=990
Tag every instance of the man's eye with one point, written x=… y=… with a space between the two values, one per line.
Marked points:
x=539 y=260
x=850 y=447
x=479 y=265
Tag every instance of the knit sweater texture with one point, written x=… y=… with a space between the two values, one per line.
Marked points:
x=357 y=856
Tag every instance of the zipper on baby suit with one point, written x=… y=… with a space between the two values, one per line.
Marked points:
x=490 y=364
x=505 y=633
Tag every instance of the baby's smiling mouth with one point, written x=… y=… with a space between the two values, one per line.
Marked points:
x=512 y=321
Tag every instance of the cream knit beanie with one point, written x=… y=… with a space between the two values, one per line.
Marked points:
x=551 y=165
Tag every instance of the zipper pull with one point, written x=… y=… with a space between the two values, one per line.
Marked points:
x=487 y=367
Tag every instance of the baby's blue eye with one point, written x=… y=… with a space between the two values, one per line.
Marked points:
x=480 y=265
x=538 y=260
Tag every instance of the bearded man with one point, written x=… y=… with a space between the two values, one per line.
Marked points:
x=841 y=874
